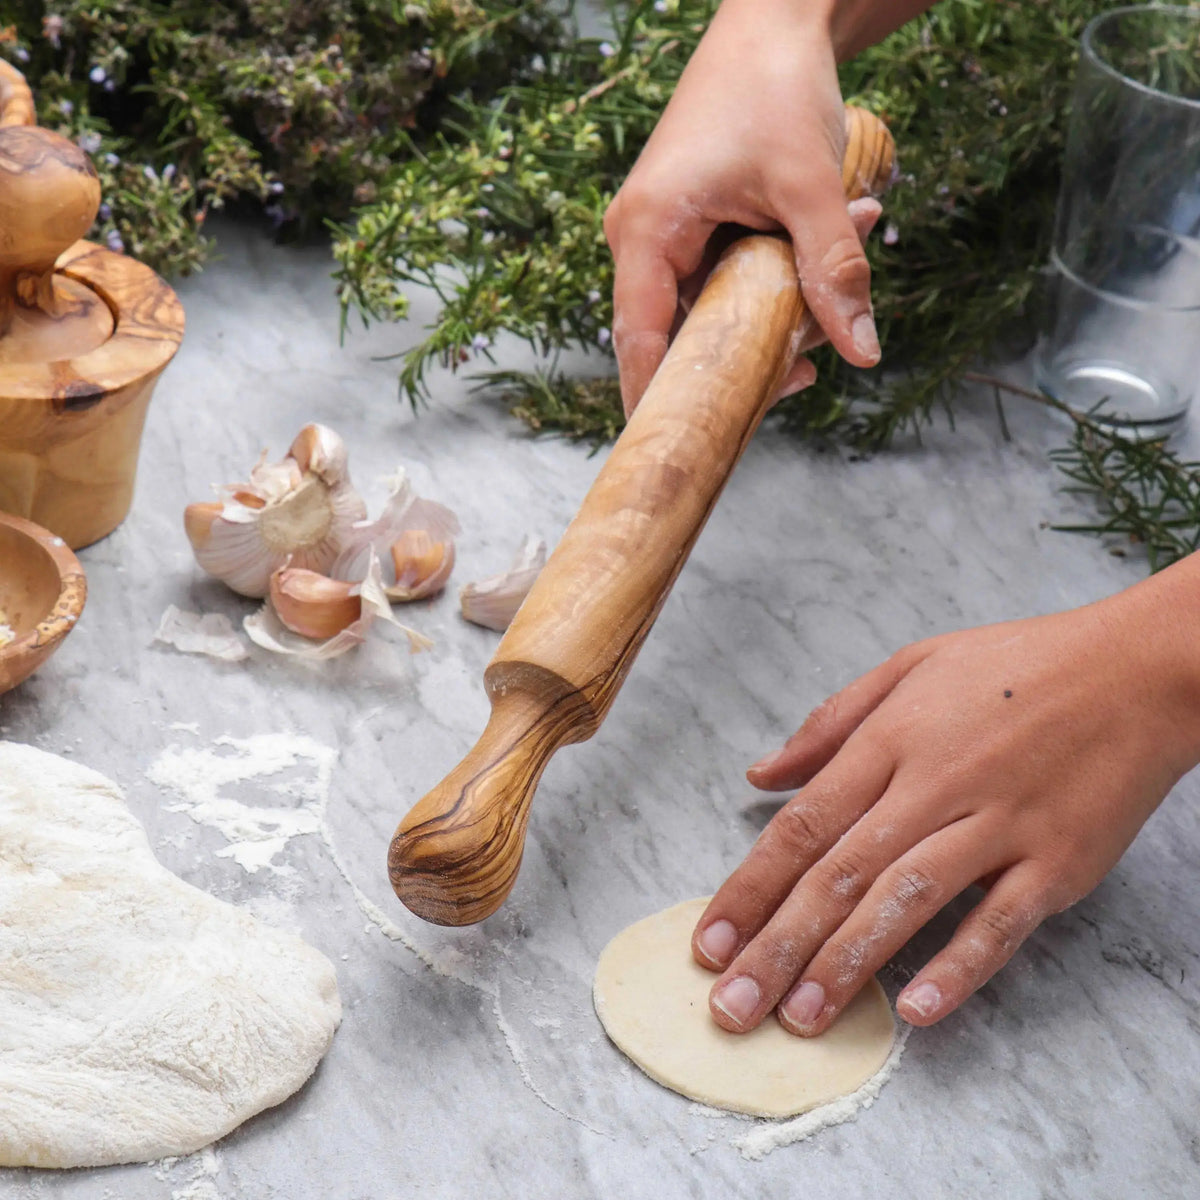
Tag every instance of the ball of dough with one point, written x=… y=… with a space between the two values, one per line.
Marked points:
x=139 y=1017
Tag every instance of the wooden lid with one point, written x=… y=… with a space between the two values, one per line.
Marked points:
x=76 y=321
x=49 y=195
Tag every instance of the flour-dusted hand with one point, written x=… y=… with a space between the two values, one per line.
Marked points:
x=1023 y=756
x=753 y=136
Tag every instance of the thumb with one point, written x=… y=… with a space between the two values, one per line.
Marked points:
x=827 y=727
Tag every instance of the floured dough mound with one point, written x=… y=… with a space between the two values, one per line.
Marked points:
x=652 y=999
x=139 y=1017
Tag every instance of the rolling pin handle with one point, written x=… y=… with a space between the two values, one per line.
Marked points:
x=457 y=853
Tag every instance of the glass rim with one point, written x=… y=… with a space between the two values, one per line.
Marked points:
x=1087 y=46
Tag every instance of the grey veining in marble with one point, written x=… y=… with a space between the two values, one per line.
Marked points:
x=477 y=1068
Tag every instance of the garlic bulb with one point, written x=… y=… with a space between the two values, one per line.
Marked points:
x=301 y=509
x=422 y=566
x=493 y=602
x=315 y=607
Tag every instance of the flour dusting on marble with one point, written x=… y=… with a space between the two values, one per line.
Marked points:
x=450 y=963
x=257 y=834
x=192 y=1177
x=771 y=1135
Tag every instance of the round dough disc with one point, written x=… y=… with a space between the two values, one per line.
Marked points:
x=652 y=999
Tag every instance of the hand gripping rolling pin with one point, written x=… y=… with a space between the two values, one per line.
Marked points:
x=558 y=668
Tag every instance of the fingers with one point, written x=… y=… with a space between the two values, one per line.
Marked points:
x=653 y=251
x=802 y=375
x=834 y=273
x=864 y=213
x=987 y=938
x=827 y=727
x=906 y=895
x=796 y=838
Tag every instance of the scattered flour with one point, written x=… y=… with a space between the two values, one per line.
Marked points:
x=257 y=834
x=193 y=1177
x=771 y=1135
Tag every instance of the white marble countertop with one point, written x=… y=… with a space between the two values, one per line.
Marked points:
x=469 y=1062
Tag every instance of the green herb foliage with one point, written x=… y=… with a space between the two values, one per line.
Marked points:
x=503 y=211
x=187 y=105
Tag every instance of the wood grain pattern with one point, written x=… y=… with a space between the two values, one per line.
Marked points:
x=84 y=335
x=42 y=594
x=456 y=855
x=16 y=100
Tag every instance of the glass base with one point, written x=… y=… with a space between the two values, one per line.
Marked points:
x=1114 y=397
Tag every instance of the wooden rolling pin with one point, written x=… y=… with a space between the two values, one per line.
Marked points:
x=556 y=672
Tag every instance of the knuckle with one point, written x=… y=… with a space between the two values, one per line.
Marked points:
x=798 y=828
x=1002 y=925
x=846 y=876
x=822 y=721
x=845 y=266
x=844 y=961
x=914 y=885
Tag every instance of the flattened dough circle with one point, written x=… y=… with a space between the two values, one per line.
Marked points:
x=652 y=999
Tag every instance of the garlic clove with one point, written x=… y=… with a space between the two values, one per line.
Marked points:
x=266 y=629
x=198 y=522
x=313 y=605
x=422 y=566
x=404 y=511
x=493 y=602
x=318 y=449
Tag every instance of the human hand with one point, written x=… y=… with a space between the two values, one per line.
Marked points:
x=1023 y=756
x=754 y=136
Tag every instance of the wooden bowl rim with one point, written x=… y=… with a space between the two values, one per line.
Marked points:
x=72 y=590
x=109 y=367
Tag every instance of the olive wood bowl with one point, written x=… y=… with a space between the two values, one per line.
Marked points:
x=42 y=593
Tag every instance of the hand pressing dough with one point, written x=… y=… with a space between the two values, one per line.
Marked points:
x=652 y=999
x=139 y=1017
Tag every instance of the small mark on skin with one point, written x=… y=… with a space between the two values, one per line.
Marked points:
x=1007 y=694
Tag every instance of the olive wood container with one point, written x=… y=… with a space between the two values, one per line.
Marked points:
x=84 y=335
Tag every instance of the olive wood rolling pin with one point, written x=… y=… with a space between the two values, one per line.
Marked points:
x=455 y=856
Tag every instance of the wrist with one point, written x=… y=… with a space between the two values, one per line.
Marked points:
x=1159 y=623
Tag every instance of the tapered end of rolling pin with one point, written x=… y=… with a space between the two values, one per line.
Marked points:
x=455 y=856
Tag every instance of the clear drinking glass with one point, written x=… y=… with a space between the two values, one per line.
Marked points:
x=1122 y=340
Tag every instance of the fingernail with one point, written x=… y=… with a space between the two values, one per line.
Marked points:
x=765 y=764
x=718 y=942
x=738 y=999
x=922 y=999
x=804 y=1005
x=866 y=340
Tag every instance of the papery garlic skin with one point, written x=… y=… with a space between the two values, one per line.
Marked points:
x=493 y=602
x=422 y=566
x=211 y=634
x=301 y=510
